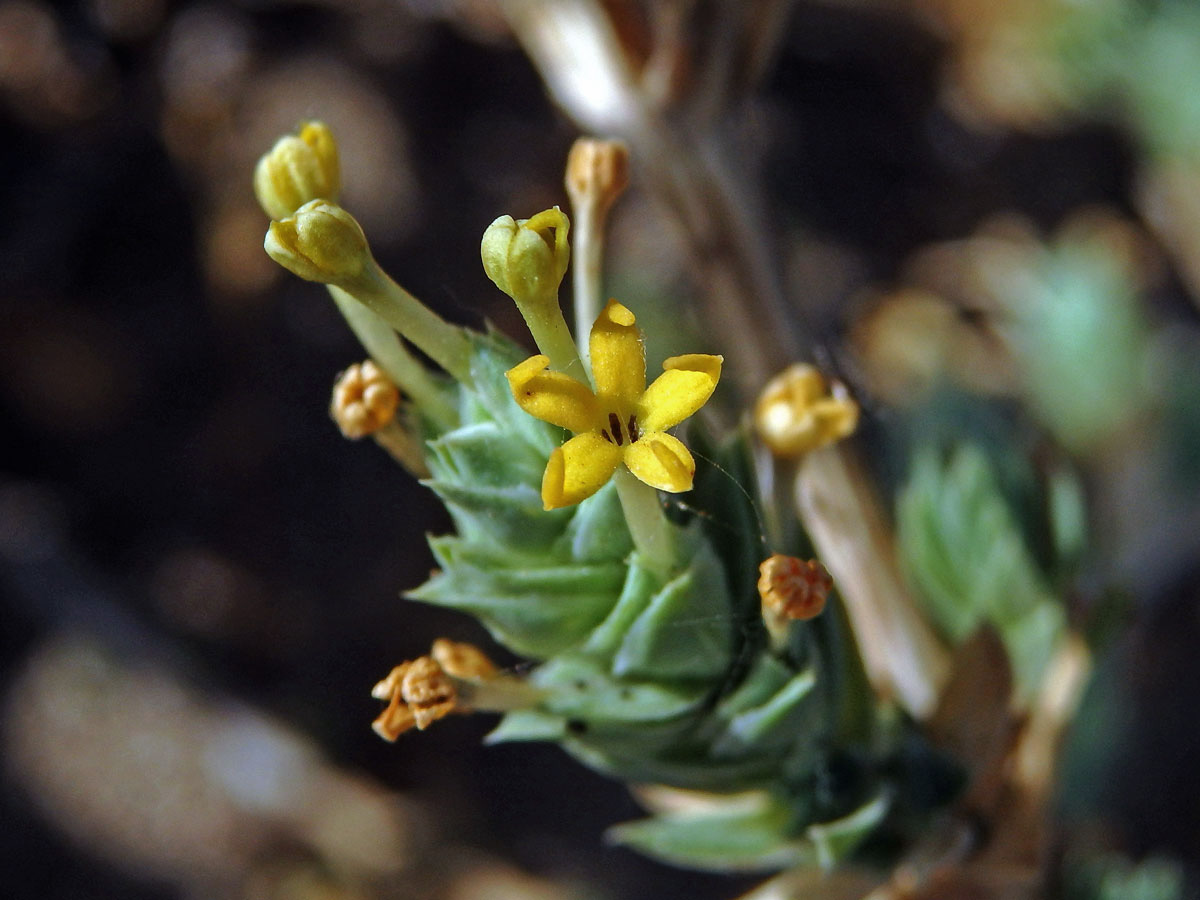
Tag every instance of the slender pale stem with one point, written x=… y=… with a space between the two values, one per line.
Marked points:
x=446 y=344
x=384 y=346
x=647 y=523
x=587 y=253
x=404 y=447
x=499 y=693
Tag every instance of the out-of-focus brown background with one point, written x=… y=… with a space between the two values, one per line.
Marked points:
x=199 y=576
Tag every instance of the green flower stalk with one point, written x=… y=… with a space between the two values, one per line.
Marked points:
x=527 y=259
x=302 y=169
x=324 y=243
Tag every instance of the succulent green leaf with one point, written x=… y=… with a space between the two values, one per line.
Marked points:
x=597 y=529
x=636 y=594
x=748 y=834
x=580 y=688
x=962 y=550
x=528 y=725
x=510 y=515
x=480 y=455
x=834 y=841
x=773 y=724
x=535 y=612
x=686 y=631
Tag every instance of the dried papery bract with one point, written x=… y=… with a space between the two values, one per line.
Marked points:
x=904 y=659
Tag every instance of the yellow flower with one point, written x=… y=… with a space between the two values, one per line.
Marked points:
x=623 y=421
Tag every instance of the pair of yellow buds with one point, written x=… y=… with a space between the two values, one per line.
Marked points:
x=297 y=183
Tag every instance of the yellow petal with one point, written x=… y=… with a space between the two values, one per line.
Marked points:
x=552 y=396
x=578 y=469
x=661 y=461
x=618 y=358
x=679 y=391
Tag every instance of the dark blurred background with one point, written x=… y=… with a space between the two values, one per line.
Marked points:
x=200 y=577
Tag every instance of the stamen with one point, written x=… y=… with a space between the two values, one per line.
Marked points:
x=615 y=424
x=633 y=430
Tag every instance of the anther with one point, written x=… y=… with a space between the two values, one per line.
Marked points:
x=615 y=424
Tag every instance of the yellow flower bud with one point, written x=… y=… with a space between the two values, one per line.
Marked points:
x=321 y=242
x=527 y=258
x=299 y=168
x=797 y=412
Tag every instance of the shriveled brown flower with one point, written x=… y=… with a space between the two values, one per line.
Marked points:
x=462 y=660
x=793 y=588
x=423 y=690
x=364 y=400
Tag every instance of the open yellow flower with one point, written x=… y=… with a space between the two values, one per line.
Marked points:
x=623 y=421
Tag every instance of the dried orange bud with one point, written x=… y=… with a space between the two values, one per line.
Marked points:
x=793 y=588
x=364 y=400
x=797 y=412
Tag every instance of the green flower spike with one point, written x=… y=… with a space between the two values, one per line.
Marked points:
x=623 y=422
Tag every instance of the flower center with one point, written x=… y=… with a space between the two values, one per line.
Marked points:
x=616 y=434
